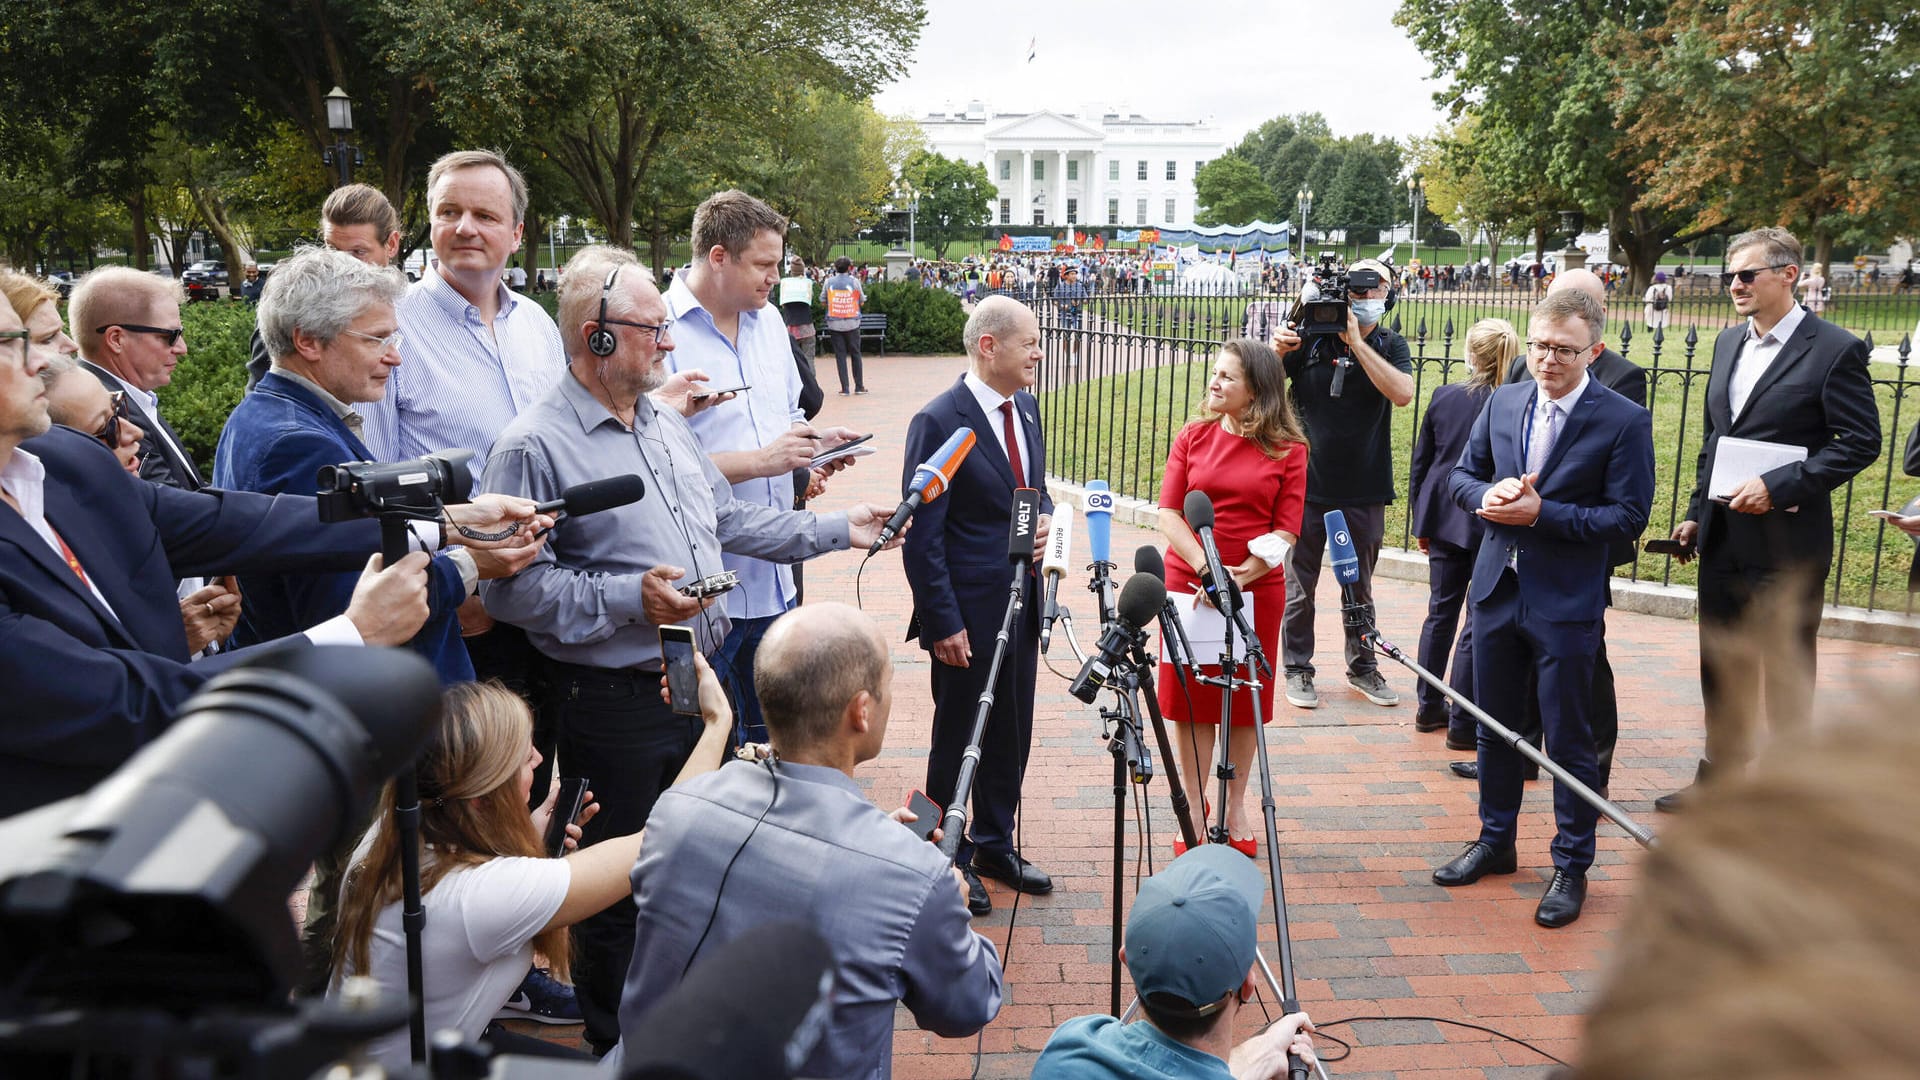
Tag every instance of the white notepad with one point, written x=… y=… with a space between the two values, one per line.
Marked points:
x=1735 y=461
x=1207 y=628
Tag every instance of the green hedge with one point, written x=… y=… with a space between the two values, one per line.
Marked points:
x=211 y=378
x=919 y=320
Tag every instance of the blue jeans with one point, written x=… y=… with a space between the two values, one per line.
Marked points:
x=733 y=663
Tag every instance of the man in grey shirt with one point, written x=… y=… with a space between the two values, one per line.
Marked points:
x=794 y=838
x=594 y=600
x=844 y=297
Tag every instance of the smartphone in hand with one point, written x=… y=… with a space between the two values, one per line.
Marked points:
x=926 y=813
x=566 y=807
x=683 y=681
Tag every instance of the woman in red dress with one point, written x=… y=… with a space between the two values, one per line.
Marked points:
x=1248 y=452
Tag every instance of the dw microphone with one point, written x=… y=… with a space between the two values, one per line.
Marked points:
x=1099 y=539
x=1054 y=567
x=1346 y=570
x=929 y=481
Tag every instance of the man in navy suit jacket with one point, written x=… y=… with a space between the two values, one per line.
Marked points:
x=956 y=562
x=1557 y=471
x=1784 y=376
x=93 y=655
x=328 y=320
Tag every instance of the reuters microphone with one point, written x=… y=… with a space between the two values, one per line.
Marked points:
x=929 y=482
x=1054 y=567
x=1346 y=570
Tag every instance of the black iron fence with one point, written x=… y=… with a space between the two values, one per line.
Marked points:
x=1112 y=397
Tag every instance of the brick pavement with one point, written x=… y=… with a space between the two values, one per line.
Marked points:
x=1365 y=807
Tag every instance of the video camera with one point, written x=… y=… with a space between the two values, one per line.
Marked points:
x=1322 y=310
x=362 y=489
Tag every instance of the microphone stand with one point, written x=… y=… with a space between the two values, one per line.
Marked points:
x=1355 y=616
x=395 y=531
x=1101 y=586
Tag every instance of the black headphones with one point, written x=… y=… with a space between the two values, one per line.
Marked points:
x=602 y=342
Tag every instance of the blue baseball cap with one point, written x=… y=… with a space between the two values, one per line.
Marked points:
x=1192 y=933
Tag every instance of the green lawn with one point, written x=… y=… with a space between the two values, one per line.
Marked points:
x=1118 y=425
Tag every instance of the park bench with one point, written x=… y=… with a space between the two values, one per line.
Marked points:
x=874 y=326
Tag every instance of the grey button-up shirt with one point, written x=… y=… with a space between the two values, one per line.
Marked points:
x=579 y=600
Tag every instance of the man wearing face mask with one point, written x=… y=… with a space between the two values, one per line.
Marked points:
x=1344 y=390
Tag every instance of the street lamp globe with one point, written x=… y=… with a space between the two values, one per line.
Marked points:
x=339 y=111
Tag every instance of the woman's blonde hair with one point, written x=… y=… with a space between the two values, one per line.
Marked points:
x=1270 y=421
x=24 y=292
x=471 y=812
x=1491 y=346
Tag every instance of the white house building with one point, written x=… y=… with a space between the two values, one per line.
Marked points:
x=1097 y=167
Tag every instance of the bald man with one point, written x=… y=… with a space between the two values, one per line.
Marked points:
x=1629 y=380
x=794 y=837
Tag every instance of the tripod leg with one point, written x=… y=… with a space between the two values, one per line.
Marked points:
x=1119 y=871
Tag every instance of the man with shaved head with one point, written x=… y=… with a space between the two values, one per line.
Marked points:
x=793 y=837
x=956 y=564
x=1629 y=380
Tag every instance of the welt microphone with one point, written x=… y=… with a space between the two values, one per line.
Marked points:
x=1054 y=567
x=1140 y=602
x=929 y=481
x=596 y=495
x=1023 y=525
x=1346 y=570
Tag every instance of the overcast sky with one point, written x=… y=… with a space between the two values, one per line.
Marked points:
x=1239 y=62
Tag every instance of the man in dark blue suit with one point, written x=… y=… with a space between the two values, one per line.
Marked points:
x=93 y=654
x=956 y=564
x=328 y=322
x=1557 y=471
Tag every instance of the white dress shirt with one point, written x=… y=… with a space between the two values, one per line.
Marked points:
x=990 y=400
x=1757 y=353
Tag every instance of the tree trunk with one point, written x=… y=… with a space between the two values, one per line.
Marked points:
x=232 y=250
x=1823 y=250
x=140 y=253
x=530 y=247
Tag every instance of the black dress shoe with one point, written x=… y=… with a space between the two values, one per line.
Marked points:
x=1011 y=870
x=978 y=902
x=1424 y=723
x=1470 y=770
x=1561 y=904
x=1476 y=862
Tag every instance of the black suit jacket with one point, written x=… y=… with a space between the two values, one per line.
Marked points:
x=1444 y=428
x=158 y=461
x=1623 y=377
x=86 y=686
x=955 y=555
x=1817 y=394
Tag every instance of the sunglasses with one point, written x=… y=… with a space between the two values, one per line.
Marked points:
x=1746 y=276
x=173 y=336
x=109 y=432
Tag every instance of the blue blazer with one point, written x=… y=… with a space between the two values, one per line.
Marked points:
x=1595 y=488
x=955 y=555
x=275 y=442
x=1443 y=434
x=86 y=686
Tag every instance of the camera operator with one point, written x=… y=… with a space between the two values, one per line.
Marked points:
x=795 y=837
x=592 y=601
x=96 y=657
x=1345 y=389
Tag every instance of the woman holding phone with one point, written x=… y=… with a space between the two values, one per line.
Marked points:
x=491 y=896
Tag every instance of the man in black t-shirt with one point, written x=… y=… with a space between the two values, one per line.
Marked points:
x=1349 y=468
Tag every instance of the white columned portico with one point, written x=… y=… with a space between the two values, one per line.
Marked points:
x=1096 y=213
x=1024 y=209
x=1060 y=189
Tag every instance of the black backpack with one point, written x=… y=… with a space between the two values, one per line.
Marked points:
x=1660 y=300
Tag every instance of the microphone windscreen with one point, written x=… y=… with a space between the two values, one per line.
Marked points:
x=1021 y=526
x=604 y=494
x=1099 y=520
x=1340 y=550
x=1198 y=510
x=1141 y=599
x=1059 y=540
x=935 y=473
x=756 y=1006
x=1147 y=560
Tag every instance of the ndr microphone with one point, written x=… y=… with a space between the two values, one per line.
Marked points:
x=1054 y=567
x=930 y=480
x=1346 y=569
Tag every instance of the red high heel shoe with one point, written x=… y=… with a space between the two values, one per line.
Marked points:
x=1249 y=847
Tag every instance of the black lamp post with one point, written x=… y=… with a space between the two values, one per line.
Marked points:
x=341 y=156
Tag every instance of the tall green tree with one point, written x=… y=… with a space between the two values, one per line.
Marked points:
x=1285 y=149
x=1231 y=191
x=1461 y=189
x=1800 y=114
x=955 y=199
x=1362 y=194
x=819 y=158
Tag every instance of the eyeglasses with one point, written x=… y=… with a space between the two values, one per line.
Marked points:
x=109 y=432
x=24 y=337
x=1565 y=354
x=391 y=341
x=173 y=336
x=1746 y=276
x=659 y=332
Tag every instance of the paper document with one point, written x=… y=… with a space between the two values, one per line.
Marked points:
x=843 y=452
x=1207 y=628
x=1736 y=461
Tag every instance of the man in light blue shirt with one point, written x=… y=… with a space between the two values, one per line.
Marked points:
x=724 y=326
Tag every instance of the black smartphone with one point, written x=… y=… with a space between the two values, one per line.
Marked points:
x=825 y=455
x=705 y=393
x=566 y=807
x=1667 y=547
x=683 y=682
x=926 y=812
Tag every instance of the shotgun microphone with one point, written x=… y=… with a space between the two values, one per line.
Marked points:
x=1140 y=602
x=596 y=495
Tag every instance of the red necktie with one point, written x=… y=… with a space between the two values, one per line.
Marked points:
x=1013 y=444
x=73 y=561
